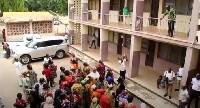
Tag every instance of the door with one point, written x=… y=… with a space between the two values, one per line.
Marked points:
x=52 y=46
x=39 y=51
x=119 y=45
x=98 y=38
x=154 y=12
x=151 y=53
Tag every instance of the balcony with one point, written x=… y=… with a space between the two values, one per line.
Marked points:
x=160 y=27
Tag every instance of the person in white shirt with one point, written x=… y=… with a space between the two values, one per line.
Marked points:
x=179 y=76
x=121 y=61
x=18 y=67
x=195 y=91
x=93 y=41
x=94 y=74
x=183 y=97
x=47 y=58
x=170 y=76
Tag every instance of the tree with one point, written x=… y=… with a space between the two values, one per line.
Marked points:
x=17 y=5
x=4 y=5
x=62 y=6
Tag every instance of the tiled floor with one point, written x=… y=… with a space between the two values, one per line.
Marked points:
x=148 y=82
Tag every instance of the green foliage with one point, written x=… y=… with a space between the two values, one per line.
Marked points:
x=58 y=6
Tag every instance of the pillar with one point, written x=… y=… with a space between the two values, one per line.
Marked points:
x=194 y=20
x=31 y=27
x=84 y=10
x=138 y=6
x=84 y=37
x=134 y=62
x=105 y=8
x=191 y=61
x=104 y=44
x=70 y=11
x=71 y=31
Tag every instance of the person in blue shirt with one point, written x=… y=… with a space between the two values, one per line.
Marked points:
x=109 y=77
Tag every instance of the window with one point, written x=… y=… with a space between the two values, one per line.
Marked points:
x=144 y=46
x=90 y=31
x=127 y=41
x=114 y=4
x=116 y=37
x=147 y=5
x=93 y=4
x=113 y=37
x=171 y=53
x=53 y=42
x=182 y=7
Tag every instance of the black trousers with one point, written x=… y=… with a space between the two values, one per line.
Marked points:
x=93 y=42
x=122 y=74
x=49 y=80
x=171 y=28
x=194 y=94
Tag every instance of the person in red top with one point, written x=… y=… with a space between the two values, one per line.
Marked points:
x=20 y=103
x=104 y=100
x=46 y=72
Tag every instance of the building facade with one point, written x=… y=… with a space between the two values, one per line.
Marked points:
x=135 y=28
x=18 y=23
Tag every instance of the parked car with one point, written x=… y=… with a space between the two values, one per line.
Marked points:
x=52 y=45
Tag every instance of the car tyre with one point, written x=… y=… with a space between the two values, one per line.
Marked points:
x=25 y=59
x=60 y=54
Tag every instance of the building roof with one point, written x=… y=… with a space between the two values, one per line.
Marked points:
x=26 y=14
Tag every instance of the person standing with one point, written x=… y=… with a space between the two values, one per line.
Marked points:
x=18 y=67
x=179 y=76
x=171 y=19
x=32 y=75
x=101 y=68
x=46 y=72
x=47 y=58
x=170 y=76
x=121 y=61
x=195 y=91
x=183 y=97
x=93 y=41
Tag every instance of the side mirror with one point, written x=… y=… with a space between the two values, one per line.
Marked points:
x=35 y=47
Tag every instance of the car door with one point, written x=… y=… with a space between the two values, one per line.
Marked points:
x=50 y=47
x=39 y=50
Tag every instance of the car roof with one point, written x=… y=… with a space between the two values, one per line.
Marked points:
x=46 y=38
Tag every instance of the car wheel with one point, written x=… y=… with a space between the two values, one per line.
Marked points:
x=25 y=59
x=60 y=54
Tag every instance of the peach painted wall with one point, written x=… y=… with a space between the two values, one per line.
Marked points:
x=112 y=48
x=126 y=51
x=161 y=65
x=142 y=59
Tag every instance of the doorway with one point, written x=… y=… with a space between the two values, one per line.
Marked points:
x=151 y=53
x=154 y=12
x=98 y=38
x=119 y=45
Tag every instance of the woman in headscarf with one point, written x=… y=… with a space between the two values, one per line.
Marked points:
x=86 y=70
x=25 y=84
x=85 y=96
x=32 y=75
x=35 y=99
x=57 y=103
x=101 y=68
x=53 y=69
x=111 y=93
x=48 y=103
x=94 y=103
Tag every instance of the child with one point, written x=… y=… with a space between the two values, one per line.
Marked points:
x=25 y=84
x=62 y=69
x=160 y=82
x=20 y=103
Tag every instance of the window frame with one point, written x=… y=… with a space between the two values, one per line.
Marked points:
x=125 y=44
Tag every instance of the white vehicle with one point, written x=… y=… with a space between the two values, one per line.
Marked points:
x=53 y=45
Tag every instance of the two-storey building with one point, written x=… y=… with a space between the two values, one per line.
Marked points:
x=135 y=28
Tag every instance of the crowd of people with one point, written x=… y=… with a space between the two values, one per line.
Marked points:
x=79 y=87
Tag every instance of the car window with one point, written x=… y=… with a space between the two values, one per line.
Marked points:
x=31 y=44
x=53 y=42
x=41 y=44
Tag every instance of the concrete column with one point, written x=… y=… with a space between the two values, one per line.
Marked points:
x=138 y=6
x=194 y=21
x=134 y=62
x=105 y=7
x=84 y=10
x=31 y=27
x=71 y=32
x=191 y=61
x=70 y=11
x=104 y=44
x=84 y=37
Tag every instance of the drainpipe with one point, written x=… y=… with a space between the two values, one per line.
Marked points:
x=125 y=4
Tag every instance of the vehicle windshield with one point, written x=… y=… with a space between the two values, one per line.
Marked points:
x=31 y=44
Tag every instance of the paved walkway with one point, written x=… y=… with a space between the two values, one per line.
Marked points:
x=135 y=88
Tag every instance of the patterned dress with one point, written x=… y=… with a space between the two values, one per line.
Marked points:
x=112 y=98
x=33 y=77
